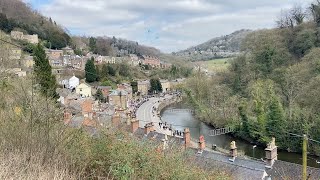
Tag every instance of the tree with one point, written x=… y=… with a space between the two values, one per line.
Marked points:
x=104 y=71
x=98 y=73
x=99 y=96
x=111 y=71
x=155 y=85
x=93 y=44
x=91 y=74
x=43 y=73
x=276 y=122
x=315 y=11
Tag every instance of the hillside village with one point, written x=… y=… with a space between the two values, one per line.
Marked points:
x=75 y=94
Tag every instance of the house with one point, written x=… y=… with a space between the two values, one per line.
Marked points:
x=67 y=50
x=105 y=90
x=55 y=54
x=143 y=87
x=33 y=39
x=119 y=98
x=165 y=85
x=151 y=61
x=126 y=87
x=84 y=90
x=134 y=60
x=165 y=65
x=73 y=82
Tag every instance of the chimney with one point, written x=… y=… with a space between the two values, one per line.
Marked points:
x=271 y=152
x=148 y=128
x=66 y=117
x=115 y=119
x=202 y=144
x=233 y=149
x=134 y=125
x=186 y=137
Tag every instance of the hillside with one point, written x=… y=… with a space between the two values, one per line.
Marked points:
x=219 y=47
x=272 y=89
x=17 y=15
x=112 y=46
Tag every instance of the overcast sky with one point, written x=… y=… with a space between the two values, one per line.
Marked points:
x=168 y=25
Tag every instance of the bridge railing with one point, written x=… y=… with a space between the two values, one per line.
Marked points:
x=221 y=131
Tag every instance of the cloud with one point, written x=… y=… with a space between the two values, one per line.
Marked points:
x=169 y=25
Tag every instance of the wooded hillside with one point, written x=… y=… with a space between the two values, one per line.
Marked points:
x=274 y=88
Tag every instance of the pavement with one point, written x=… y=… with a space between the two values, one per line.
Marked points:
x=146 y=114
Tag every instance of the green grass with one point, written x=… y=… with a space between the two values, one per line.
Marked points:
x=216 y=65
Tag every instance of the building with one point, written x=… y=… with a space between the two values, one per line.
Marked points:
x=151 y=61
x=55 y=54
x=105 y=90
x=134 y=60
x=119 y=98
x=165 y=84
x=126 y=87
x=84 y=90
x=67 y=51
x=143 y=87
x=33 y=39
x=73 y=82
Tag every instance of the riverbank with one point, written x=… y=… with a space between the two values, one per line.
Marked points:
x=181 y=120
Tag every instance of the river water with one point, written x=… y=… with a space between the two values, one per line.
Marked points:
x=184 y=119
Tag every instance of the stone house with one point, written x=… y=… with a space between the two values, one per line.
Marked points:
x=165 y=85
x=55 y=54
x=84 y=90
x=105 y=90
x=33 y=39
x=119 y=98
x=67 y=51
x=27 y=61
x=151 y=61
x=143 y=87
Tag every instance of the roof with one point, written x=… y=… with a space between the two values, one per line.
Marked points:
x=287 y=170
x=83 y=85
x=240 y=169
x=104 y=87
x=117 y=93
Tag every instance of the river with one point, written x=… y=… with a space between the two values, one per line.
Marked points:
x=184 y=119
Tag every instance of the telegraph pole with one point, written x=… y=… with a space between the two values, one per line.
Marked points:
x=304 y=157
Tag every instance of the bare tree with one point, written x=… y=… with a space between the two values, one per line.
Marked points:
x=315 y=12
x=297 y=14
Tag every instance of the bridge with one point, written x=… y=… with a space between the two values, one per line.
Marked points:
x=181 y=110
x=221 y=131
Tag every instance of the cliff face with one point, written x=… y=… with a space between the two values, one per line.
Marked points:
x=220 y=47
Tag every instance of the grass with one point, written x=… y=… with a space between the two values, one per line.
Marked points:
x=217 y=65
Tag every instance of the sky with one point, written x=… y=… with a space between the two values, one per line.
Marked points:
x=169 y=25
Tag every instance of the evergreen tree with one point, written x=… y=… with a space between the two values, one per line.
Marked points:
x=43 y=73
x=91 y=74
x=276 y=121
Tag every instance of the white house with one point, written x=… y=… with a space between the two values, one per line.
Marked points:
x=73 y=82
x=84 y=90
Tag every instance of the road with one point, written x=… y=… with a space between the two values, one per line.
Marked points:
x=145 y=114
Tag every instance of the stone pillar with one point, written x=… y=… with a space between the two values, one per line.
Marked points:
x=233 y=149
x=271 y=152
x=202 y=143
x=134 y=125
x=187 y=138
